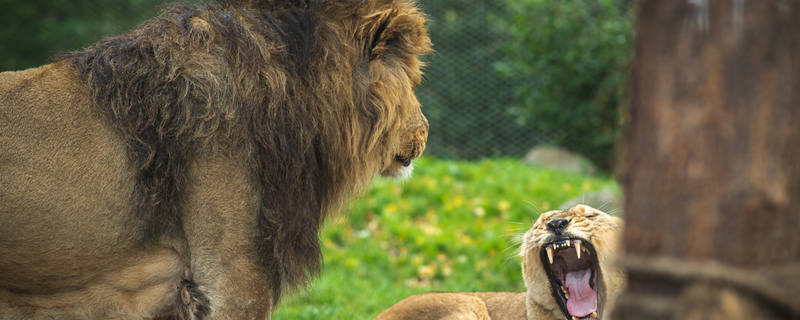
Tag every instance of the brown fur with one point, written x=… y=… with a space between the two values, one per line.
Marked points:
x=537 y=303
x=200 y=152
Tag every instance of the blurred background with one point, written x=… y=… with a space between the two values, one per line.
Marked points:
x=524 y=99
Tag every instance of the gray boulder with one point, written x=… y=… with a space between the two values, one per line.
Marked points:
x=559 y=159
x=604 y=200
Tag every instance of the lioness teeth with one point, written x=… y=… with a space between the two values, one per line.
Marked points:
x=577 y=244
x=549 y=254
x=594 y=315
x=574 y=318
x=566 y=293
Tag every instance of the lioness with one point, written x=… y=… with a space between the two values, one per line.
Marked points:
x=567 y=268
x=183 y=170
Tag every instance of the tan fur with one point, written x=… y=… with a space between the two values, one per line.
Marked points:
x=537 y=303
x=182 y=170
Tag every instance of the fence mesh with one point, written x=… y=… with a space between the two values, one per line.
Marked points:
x=487 y=88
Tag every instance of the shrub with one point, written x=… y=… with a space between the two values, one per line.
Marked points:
x=35 y=30
x=568 y=62
x=463 y=97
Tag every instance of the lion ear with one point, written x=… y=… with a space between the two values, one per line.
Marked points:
x=392 y=33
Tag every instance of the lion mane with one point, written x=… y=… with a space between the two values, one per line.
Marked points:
x=318 y=96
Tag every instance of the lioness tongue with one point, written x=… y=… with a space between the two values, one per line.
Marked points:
x=582 y=298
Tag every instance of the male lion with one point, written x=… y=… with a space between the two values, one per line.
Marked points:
x=567 y=266
x=182 y=170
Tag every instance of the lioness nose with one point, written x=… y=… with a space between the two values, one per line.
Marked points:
x=557 y=225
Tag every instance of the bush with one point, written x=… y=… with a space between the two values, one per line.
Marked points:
x=568 y=62
x=463 y=97
x=35 y=30
x=451 y=227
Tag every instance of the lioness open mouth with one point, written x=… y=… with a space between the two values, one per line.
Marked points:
x=574 y=272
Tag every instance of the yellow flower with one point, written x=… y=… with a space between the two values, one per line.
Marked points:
x=427 y=271
x=503 y=205
x=390 y=208
x=351 y=262
x=447 y=270
x=566 y=187
x=458 y=201
x=416 y=260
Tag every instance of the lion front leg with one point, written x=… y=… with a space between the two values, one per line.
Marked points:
x=220 y=224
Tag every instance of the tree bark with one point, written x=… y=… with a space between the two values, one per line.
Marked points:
x=711 y=162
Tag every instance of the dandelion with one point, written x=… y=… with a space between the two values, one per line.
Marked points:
x=426 y=271
x=458 y=201
x=390 y=208
x=503 y=205
x=430 y=229
x=447 y=270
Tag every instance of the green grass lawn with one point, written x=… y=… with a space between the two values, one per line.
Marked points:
x=453 y=226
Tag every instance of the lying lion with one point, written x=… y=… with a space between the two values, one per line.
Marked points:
x=568 y=270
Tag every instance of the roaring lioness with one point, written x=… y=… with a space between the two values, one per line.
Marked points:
x=184 y=169
x=567 y=266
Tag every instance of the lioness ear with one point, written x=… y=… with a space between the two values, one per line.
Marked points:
x=393 y=33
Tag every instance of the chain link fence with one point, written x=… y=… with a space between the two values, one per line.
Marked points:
x=464 y=97
x=507 y=75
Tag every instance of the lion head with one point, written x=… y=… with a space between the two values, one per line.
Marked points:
x=568 y=262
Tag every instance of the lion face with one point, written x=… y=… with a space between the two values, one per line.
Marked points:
x=568 y=262
x=397 y=37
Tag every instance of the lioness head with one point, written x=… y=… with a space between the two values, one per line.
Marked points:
x=568 y=262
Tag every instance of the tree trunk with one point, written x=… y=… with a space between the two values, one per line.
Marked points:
x=711 y=162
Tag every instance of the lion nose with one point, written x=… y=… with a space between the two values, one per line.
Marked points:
x=557 y=225
x=420 y=139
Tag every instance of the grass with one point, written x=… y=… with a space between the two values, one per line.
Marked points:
x=451 y=227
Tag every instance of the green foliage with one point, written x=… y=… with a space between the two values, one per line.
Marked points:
x=561 y=66
x=463 y=97
x=451 y=227
x=35 y=30
x=568 y=60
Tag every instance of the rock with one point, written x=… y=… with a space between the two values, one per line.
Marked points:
x=605 y=200
x=559 y=159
